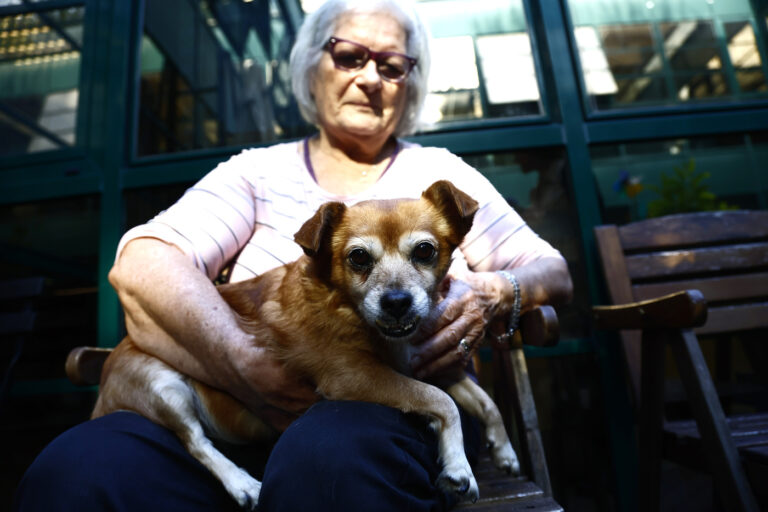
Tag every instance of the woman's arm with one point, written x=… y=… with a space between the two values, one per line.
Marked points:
x=174 y=312
x=474 y=299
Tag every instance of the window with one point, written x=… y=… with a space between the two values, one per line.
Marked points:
x=663 y=52
x=482 y=62
x=220 y=77
x=745 y=56
x=39 y=78
x=648 y=178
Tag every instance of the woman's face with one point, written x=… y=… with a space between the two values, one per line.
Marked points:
x=360 y=104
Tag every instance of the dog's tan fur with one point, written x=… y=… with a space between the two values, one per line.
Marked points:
x=330 y=319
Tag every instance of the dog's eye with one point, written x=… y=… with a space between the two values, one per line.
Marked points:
x=424 y=252
x=359 y=258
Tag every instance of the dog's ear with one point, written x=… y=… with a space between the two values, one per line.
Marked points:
x=454 y=204
x=315 y=234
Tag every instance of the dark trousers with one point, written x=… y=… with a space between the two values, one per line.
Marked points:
x=337 y=456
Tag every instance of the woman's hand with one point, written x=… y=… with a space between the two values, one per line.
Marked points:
x=467 y=307
x=268 y=389
x=474 y=300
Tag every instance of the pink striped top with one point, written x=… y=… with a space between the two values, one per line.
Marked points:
x=249 y=207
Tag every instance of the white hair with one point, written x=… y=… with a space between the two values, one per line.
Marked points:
x=320 y=25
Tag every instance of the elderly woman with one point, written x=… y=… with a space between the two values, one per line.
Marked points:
x=359 y=74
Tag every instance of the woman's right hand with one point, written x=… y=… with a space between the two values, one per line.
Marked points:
x=270 y=390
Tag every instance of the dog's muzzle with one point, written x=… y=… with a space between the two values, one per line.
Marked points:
x=397 y=318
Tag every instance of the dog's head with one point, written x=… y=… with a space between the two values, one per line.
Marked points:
x=388 y=257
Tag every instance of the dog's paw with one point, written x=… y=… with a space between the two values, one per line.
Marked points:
x=459 y=482
x=244 y=489
x=505 y=458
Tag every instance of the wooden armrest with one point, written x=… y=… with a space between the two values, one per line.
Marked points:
x=84 y=365
x=540 y=327
x=680 y=310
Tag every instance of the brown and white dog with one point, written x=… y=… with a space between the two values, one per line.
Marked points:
x=343 y=315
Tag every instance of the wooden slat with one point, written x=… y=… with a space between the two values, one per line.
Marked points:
x=538 y=504
x=528 y=419
x=504 y=488
x=742 y=427
x=614 y=266
x=619 y=289
x=689 y=229
x=698 y=261
x=735 y=318
x=743 y=286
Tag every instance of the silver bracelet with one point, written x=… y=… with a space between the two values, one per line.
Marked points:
x=514 y=318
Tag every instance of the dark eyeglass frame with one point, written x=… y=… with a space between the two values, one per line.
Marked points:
x=378 y=57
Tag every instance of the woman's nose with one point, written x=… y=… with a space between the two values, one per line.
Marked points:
x=369 y=76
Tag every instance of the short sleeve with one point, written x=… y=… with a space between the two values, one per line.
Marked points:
x=211 y=222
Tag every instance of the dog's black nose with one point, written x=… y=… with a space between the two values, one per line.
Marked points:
x=396 y=302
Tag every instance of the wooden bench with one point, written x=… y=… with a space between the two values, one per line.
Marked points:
x=672 y=280
x=512 y=389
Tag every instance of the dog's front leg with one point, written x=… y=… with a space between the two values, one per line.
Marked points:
x=473 y=399
x=370 y=380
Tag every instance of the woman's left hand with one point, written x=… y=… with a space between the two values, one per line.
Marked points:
x=457 y=324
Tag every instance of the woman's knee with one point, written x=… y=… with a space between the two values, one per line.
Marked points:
x=118 y=462
x=341 y=454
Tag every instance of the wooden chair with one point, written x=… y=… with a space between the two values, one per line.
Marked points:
x=715 y=266
x=498 y=492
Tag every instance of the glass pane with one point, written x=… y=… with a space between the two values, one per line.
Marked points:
x=534 y=183
x=646 y=179
x=701 y=86
x=745 y=56
x=693 y=59
x=662 y=52
x=218 y=79
x=629 y=36
x=482 y=61
x=695 y=33
x=39 y=79
x=752 y=80
x=626 y=62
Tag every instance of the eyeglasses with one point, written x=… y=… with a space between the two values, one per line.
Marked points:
x=351 y=56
